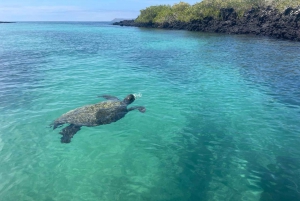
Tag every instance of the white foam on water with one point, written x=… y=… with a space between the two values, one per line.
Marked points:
x=137 y=95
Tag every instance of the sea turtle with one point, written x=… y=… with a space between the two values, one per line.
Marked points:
x=97 y=114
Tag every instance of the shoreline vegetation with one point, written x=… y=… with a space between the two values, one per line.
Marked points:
x=274 y=18
x=6 y=22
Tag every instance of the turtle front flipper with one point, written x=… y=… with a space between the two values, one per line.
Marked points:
x=68 y=132
x=109 y=97
x=142 y=109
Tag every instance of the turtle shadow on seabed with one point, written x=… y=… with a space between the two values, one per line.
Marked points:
x=106 y=112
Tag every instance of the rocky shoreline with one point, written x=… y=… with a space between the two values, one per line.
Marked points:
x=264 y=22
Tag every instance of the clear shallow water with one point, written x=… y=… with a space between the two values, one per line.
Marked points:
x=222 y=120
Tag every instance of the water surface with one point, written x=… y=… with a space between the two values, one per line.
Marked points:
x=222 y=120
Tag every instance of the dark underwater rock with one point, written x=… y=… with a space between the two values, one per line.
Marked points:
x=256 y=21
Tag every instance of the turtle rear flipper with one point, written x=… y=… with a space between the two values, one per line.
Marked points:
x=55 y=125
x=68 y=132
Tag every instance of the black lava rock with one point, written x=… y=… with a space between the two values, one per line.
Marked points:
x=257 y=21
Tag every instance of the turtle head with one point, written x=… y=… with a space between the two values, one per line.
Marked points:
x=129 y=99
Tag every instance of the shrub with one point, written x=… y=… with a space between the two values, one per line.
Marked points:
x=207 y=8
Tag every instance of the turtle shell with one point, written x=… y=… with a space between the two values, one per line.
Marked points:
x=94 y=115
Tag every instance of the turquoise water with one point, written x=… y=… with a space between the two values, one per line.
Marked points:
x=222 y=119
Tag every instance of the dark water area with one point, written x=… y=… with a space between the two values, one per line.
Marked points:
x=20 y=76
x=222 y=119
x=281 y=73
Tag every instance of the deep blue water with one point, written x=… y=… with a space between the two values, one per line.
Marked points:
x=222 y=119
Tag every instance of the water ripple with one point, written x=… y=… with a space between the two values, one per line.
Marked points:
x=221 y=122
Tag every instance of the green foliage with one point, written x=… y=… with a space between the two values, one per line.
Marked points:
x=283 y=4
x=182 y=11
x=207 y=8
x=154 y=13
